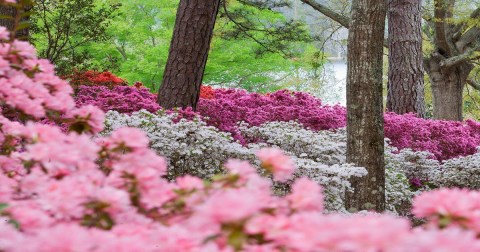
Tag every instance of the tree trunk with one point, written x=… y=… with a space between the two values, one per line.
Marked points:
x=447 y=88
x=405 y=59
x=365 y=137
x=188 y=53
x=10 y=24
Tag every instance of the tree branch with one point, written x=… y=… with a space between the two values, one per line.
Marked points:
x=474 y=84
x=441 y=14
x=466 y=56
x=335 y=16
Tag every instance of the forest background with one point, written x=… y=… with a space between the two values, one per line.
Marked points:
x=248 y=50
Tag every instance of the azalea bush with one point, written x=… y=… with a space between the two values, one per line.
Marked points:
x=94 y=78
x=227 y=109
x=192 y=147
x=123 y=99
x=444 y=139
x=232 y=106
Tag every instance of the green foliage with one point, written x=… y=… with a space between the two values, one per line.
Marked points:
x=61 y=29
x=140 y=35
x=254 y=47
x=256 y=21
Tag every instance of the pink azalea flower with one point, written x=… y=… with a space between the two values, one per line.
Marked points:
x=275 y=161
x=89 y=115
x=306 y=196
x=130 y=137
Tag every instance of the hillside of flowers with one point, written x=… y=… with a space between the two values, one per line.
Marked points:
x=226 y=108
x=246 y=172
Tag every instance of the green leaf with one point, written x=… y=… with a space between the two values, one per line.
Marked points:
x=3 y=206
x=26 y=14
x=22 y=26
x=7 y=17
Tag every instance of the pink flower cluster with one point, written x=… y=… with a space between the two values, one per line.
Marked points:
x=123 y=99
x=273 y=160
x=231 y=106
x=450 y=207
x=444 y=139
x=224 y=108
x=112 y=197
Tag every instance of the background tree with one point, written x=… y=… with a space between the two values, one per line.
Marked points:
x=61 y=28
x=275 y=37
x=455 y=41
x=456 y=45
x=17 y=23
x=405 y=58
x=140 y=36
x=365 y=137
x=188 y=54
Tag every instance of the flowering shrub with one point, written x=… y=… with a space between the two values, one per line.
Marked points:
x=329 y=148
x=444 y=139
x=207 y=92
x=94 y=78
x=122 y=202
x=232 y=106
x=123 y=99
x=192 y=147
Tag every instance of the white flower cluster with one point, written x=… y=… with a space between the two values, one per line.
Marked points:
x=190 y=146
x=328 y=147
x=195 y=148
x=458 y=172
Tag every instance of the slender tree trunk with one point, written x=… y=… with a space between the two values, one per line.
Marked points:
x=405 y=59
x=365 y=137
x=188 y=53
x=447 y=88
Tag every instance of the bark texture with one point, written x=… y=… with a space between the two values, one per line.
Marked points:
x=451 y=63
x=365 y=137
x=188 y=54
x=10 y=24
x=447 y=88
x=405 y=58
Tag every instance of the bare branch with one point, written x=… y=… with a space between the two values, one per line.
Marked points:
x=474 y=84
x=337 y=17
x=443 y=11
x=464 y=57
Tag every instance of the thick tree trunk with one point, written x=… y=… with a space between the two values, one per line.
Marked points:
x=365 y=144
x=405 y=59
x=188 y=53
x=10 y=24
x=447 y=88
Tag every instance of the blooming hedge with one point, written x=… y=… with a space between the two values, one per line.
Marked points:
x=444 y=139
x=123 y=99
x=226 y=108
x=94 y=78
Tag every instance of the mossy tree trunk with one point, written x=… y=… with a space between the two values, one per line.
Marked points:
x=365 y=136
